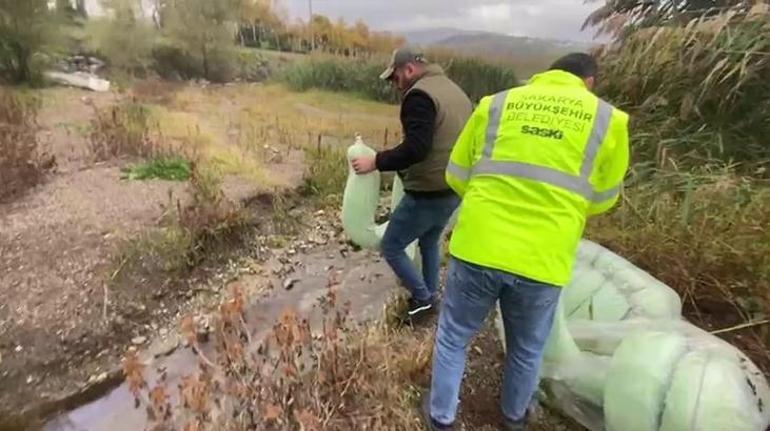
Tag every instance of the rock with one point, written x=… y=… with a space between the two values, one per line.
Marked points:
x=163 y=332
x=139 y=340
x=30 y=379
x=202 y=327
x=288 y=284
x=166 y=346
x=18 y=349
x=97 y=378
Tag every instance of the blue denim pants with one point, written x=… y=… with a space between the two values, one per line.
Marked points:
x=418 y=219
x=528 y=309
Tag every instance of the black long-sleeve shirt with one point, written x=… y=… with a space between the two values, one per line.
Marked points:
x=418 y=119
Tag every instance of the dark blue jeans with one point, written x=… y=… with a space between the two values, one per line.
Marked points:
x=528 y=309
x=418 y=219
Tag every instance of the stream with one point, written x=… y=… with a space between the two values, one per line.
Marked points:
x=365 y=281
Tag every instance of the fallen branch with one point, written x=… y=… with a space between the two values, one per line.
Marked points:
x=742 y=326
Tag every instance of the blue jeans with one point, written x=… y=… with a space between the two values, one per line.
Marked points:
x=421 y=219
x=528 y=310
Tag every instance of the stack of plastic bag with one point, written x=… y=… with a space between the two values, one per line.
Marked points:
x=621 y=357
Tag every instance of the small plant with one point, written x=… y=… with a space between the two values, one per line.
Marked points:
x=21 y=163
x=326 y=174
x=170 y=169
x=122 y=130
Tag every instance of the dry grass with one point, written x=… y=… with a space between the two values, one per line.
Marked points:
x=344 y=377
x=697 y=92
x=22 y=163
x=703 y=233
x=124 y=129
x=241 y=129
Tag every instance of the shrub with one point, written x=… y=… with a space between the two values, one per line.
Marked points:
x=252 y=67
x=21 y=164
x=326 y=175
x=696 y=92
x=28 y=28
x=122 y=130
x=340 y=74
x=125 y=40
x=477 y=77
x=344 y=378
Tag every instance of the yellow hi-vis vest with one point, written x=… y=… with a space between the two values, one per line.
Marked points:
x=531 y=165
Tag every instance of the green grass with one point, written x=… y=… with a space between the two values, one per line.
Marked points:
x=327 y=173
x=169 y=169
x=477 y=77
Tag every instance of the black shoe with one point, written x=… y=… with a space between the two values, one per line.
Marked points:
x=417 y=307
x=514 y=426
x=431 y=423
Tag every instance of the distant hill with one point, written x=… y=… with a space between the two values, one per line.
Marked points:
x=528 y=54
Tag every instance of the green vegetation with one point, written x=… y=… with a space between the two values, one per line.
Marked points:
x=721 y=115
x=28 y=29
x=361 y=76
x=326 y=176
x=203 y=30
x=340 y=74
x=125 y=39
x=170 y=169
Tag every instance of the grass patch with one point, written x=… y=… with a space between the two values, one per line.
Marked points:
x=22 y=163
x=477 y=77
x=326 y=174
x=188 y=231
x=169 y=169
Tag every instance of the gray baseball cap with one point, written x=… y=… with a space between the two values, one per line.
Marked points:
x=401 y=57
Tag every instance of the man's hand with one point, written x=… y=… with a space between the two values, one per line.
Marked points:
x=364 y=165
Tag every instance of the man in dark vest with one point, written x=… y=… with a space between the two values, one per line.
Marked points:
x=434 y=111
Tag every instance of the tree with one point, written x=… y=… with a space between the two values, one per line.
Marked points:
x=205 y=30
x=125 y=39
x=27 y=28
x=80 y=7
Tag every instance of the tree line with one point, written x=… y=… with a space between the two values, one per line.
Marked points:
x=190 y=38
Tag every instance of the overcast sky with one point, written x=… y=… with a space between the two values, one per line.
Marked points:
x=558 y=19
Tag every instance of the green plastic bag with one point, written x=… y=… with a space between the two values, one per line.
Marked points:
x=360 y=201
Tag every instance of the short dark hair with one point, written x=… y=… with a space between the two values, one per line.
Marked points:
x=577 y=63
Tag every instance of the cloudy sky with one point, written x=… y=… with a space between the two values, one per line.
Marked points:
x=559 y=19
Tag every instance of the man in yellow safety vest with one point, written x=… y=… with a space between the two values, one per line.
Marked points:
x=531 y=165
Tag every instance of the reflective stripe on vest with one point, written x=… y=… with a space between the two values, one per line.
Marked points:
x=577 y=184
